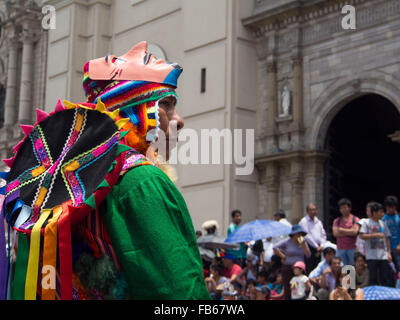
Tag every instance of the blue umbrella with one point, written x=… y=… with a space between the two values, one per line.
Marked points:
x=258 y=229
x=381 y=293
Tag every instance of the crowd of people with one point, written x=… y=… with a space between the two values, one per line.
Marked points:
x=304 y=265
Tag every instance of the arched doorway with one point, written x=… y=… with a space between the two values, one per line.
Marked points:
x=364 y=164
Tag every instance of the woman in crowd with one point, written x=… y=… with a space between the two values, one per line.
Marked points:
x=215 y=280
x=362 y=272
x=290 y=251
x=341 y=293
x=250 y=271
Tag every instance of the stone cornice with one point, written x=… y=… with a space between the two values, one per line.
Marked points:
x=294 y=12
x=58 y=4
x=261 y=160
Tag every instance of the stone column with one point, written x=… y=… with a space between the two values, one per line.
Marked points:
x=297 y=183
x=11 y=87
x=298 y=92
x=28 y=37
x=272 y=183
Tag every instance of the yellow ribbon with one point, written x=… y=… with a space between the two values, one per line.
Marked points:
x=50 y=254
x=33 y=261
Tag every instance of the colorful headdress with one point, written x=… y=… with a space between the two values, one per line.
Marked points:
x=66 y=165
x=133 y=84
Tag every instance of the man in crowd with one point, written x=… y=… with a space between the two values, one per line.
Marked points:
x=377 y=244
x=315 y=237
x=316 y=274
x=230 y=270
x=345 y=230
x=240 y=253
x=392 y=220
x=280 y=216
x=328 y=279
x=360 y=243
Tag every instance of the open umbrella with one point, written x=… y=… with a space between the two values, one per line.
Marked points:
x=207 y=254
x=214 y=241
x=381 y=293
x=258 y=229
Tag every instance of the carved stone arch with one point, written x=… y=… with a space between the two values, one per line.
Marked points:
x=343 y=91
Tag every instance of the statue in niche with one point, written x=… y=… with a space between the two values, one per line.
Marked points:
x=286 y=101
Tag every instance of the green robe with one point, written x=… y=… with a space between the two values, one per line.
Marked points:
x=153 y=236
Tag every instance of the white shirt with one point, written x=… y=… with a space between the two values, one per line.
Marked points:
x=316 y=234
x=275 y=240
x=298 y=286
x=268 y=250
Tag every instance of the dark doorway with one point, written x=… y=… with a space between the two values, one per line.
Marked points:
x=364 y=164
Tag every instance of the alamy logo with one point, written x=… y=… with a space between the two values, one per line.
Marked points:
x=49 y=19
x=349 y=20
x=349 y=280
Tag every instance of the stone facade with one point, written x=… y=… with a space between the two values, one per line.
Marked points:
x=302 y=45
x=23 y=51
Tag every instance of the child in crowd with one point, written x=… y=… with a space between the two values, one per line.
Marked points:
x=263 y=293
x=251 y=293
x=362 y=272
x=262 y=279
x=276 y=286
x=299 y=284
x=377 y=244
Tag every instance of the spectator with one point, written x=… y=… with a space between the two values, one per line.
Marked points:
x=240 y=253
x=316 y=236
x=262 y=279
x=230 y=270
x=316 y=274
x=342 y=293
x=290 y=251
x=345 y=230
x=262 y=293
x=268 y=252
x=198 y=234
x=251 y=290
x=360 y=243
x=275 y=266
x=256 y=248
x=276 y=286
x=328 y=279
x=210 y=227
x=280 y=216
x=377 y=236
x=250 y=271
x=392 y=220
x=215 y=281
x=362 y=272
x=299 y=284
x=229 y=292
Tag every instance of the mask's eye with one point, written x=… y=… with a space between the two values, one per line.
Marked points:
x=147 y=58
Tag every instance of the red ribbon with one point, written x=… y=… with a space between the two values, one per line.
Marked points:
x=65 y=252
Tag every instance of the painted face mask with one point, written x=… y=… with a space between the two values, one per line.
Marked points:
x=137 y=64
x=133 y=83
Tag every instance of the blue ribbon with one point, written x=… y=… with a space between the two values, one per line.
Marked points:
x=3 y=258
x=4 y=175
